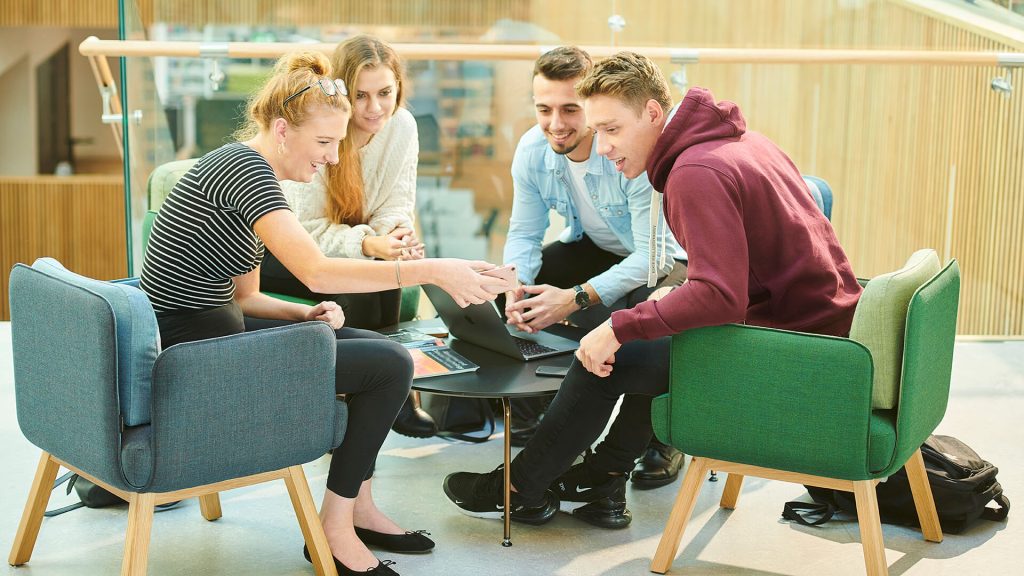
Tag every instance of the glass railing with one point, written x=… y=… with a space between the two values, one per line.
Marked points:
x=919 y=154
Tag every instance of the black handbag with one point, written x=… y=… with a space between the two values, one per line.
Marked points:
x=91 y=496
x=457 y=416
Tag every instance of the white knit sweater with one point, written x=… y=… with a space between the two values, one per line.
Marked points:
x=389 y=191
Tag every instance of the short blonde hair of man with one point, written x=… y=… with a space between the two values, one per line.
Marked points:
x=627 y=76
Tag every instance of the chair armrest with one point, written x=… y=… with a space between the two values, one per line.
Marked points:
x=769 y=398
x=243 y=404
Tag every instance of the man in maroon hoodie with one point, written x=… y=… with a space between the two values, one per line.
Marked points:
x=760 y=251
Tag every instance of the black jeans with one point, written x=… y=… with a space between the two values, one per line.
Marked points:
x=371 y=310
x=582 y=407
x=374 y=373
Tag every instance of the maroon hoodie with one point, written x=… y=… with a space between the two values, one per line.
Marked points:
x=760 y=251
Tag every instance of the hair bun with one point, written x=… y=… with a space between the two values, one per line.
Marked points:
x=315 y=62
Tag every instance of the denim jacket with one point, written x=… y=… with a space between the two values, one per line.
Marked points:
x=541 y=180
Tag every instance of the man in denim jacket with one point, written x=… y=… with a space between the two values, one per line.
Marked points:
x=600 y=263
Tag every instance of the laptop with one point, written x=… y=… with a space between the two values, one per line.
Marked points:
x=481 y=325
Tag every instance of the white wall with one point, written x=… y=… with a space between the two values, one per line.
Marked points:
x=17 y=141
x=21 y=51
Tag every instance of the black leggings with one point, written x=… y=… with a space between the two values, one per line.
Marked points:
x=371 y=310
x=374 y=373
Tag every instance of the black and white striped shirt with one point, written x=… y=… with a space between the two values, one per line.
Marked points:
x=203 y=235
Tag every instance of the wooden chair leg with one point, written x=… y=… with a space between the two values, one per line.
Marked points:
x=870 y=528
x=32 y=517
x=923 y=499
x=209 y=505
x=309 y=522
x=680 y=515
x=136 y=542
x=732 y=491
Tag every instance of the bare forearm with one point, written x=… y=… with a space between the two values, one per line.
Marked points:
x=257 y=305
x=339 y=276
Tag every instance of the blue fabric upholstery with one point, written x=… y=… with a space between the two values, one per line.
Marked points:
x=822 y=194
x=137 y=340
x=86 y=358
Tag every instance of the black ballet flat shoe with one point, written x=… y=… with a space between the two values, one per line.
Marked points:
x=408 y=543
x=381 y=569
x=414 y=422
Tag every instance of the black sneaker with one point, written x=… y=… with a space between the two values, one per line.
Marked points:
x=481 y=496
x=604 y=504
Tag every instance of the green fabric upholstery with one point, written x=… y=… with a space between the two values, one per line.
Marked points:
x=803 y=402
x=879 y=321
x=163 y=179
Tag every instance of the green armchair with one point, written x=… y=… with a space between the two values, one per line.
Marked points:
x=799 y=407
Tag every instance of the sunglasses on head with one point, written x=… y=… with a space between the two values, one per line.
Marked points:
x=328 y=86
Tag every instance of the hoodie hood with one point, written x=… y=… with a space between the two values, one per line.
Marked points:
x=699 y=119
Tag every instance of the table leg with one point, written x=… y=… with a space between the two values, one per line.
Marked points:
x=506 y=406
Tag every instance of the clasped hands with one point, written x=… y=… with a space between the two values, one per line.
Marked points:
x=399 y=244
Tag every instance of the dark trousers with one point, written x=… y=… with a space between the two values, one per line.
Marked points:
x=582 y=407
x=370 y=310
x=374 y=373
x=578 y=413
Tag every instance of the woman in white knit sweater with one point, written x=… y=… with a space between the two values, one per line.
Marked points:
x=363 y=207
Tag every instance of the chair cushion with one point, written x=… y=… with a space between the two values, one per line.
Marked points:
x=163 y=179
x=879 y=322
x=881 y=439
x=137 y=337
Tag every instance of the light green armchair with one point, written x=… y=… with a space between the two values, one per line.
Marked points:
x=799 y=407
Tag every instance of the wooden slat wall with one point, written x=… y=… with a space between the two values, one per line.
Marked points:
x=918 y=156
x=78 y=220
x=59 y=13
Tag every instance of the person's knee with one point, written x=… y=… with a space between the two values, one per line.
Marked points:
x=394 y=358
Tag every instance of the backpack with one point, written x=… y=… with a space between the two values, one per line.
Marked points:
x=456 y=416
x=91 y=496
x=962 y=483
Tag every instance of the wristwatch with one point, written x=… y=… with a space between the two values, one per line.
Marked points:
x=582 y=298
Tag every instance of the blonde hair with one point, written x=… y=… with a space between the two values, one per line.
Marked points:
x=345 y=179
x=293 y=72
x=627 y=76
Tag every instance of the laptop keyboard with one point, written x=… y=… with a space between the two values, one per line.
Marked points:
x=531 y=348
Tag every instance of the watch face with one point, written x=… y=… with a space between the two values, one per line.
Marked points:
x=582 y=298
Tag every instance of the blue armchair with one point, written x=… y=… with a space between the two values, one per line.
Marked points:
x=98 y=396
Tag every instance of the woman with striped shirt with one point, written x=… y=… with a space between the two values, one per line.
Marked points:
x=201 y=273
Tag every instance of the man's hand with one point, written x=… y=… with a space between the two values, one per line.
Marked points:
x=328 y=312
x=511 y=297
x=548 y=305
x=597 y=350
x=660 y=293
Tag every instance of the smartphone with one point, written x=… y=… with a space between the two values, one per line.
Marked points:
x=552 y=371
x=507 y=273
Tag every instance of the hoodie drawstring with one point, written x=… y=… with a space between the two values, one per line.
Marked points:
x=657 y=256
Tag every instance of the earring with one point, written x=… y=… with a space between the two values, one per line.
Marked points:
x=280 y=148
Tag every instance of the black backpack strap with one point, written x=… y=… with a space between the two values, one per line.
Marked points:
x=1000 y=513
x=488 y=417
x=800 y=512
x=70 y=478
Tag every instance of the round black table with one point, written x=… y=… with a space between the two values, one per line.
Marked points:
x=498 y=377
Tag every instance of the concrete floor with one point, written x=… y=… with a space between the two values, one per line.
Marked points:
x=258 y=534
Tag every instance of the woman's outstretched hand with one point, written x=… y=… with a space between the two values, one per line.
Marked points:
x=463 y=281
